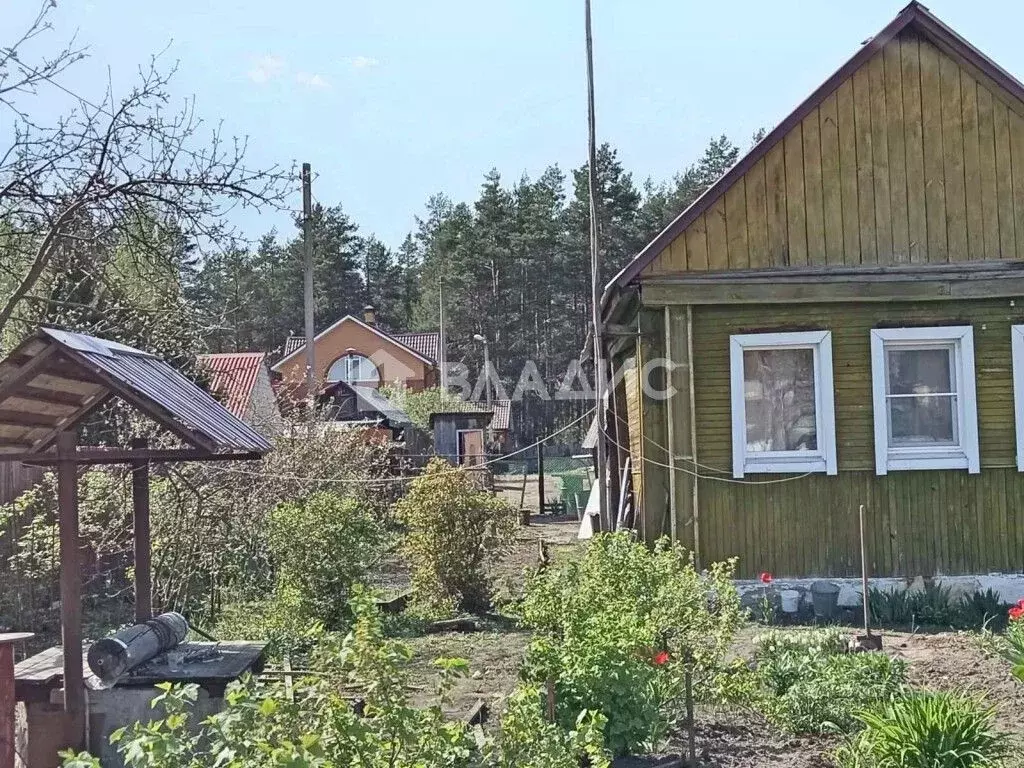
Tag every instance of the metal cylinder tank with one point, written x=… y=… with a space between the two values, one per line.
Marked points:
x=118 y=654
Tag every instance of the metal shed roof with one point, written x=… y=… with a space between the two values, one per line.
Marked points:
x=55 y=378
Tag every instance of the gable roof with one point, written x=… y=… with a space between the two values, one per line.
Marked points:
x=233 y=377
x=56 y=378
x=298 y=343
x=914 y=16
x=427 y=343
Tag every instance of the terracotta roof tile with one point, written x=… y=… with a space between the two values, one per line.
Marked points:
x=233 y=376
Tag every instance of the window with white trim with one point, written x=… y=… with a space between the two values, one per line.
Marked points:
x=924 y=398
x=783 y=406
x=1017 y=348
x=354 y=368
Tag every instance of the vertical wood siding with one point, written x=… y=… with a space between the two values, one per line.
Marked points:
x=919 y=523
x=914 y=158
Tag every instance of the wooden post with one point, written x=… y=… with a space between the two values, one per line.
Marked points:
x=7 y=696
x=70 y=590
x=143 y=552
x=307 y=286
x=540 y=478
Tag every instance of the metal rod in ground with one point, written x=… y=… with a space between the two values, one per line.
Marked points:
x=691 y=746
x=864 y=575
x=540 y=478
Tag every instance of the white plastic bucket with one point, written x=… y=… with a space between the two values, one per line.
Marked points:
x=790 y=601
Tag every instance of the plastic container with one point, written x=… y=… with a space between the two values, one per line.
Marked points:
x=825 y=596
x=790 y=600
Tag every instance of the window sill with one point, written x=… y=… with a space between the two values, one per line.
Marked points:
x=951 y=460
x=781 y=465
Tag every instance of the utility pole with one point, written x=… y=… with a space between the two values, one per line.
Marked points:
x=595 y=289
x=442 y=341
x=307 y=285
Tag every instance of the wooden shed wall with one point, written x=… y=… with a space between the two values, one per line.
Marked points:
x=914 y=158
x=922 y=522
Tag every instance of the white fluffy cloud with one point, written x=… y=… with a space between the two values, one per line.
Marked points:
x=266 y=68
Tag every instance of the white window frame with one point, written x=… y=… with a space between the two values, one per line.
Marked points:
x=964 y=456
x=821 y=460
x=348 y=359
x=1017 y=351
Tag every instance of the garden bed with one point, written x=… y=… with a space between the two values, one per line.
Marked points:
x=731 y=737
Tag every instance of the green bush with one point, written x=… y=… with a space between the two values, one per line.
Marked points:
x=810 y=685
x=614 y=628
x=320 y=546
x=322 y=726
x=528 y=740
x=926 y=730
x=454 y=530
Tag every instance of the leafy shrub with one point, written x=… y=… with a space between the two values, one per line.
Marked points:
x=261 y=727
x=926 y=730
x=615 y=627
x=281 y=620
x=321 y=726
x=454 y=529
x=528 y=740
x=320 y=546
x=810 y=685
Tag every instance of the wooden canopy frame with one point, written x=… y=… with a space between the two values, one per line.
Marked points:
x=49 y=385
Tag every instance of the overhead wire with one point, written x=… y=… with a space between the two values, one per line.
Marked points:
x=405 y=478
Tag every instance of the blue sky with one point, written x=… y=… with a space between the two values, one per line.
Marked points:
x=392 y=101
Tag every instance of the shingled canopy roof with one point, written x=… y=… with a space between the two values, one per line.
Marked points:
x=55 y=379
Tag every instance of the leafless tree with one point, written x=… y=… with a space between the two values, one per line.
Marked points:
x=107 y=165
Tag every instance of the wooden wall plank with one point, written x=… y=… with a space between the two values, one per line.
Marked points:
x=972 y=168
x=987 y=166
x=736 y=225
x=848 y=173
x=880 y=160
x=865 y=169
x=916 y=209
x=953 y=159
x=896 y=148
x=813 y=189
x=796 y=206
x=697 y=245
x=757 y=215
x=775 y=179
x=934 y=173
x=1017 y=166
x=718 y=243
x=832 y=200
x=1004 y=181
x=815 y=220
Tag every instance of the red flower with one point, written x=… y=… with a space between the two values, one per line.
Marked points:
x=660 y=658
x=1017 y=612
x=766 y=578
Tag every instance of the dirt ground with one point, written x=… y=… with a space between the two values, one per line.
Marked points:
x=511 y=489
x=944 y=661
x=495 y=654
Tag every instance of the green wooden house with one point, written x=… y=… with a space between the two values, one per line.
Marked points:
x=842 y=316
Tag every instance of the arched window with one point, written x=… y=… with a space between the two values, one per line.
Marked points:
x=354 y=369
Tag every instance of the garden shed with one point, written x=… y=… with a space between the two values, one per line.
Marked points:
x=839 y=321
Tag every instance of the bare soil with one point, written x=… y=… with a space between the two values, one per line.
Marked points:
x=943 y=661
x=496 y=654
